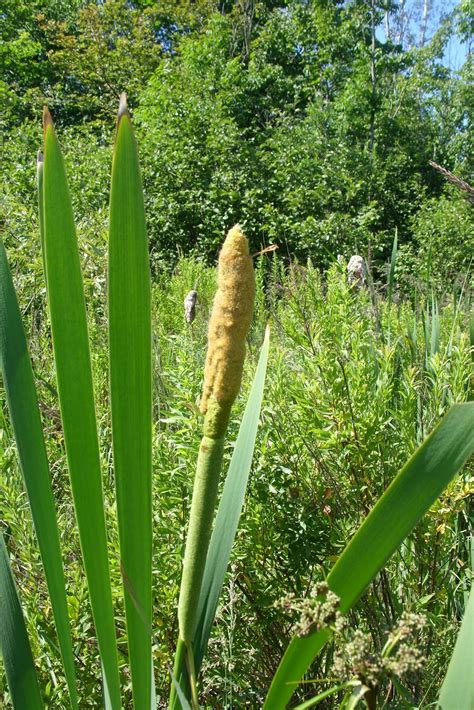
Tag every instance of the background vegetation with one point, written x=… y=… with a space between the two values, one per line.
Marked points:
x=313 y=128
x=311 y=123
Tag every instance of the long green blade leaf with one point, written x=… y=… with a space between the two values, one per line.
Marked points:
x=230 y=508
x=130 y=389
x=457 y=692
x=14 y=642
x=413 y=491
x=26 y=421
x=471 y=334
x=76 y=396
x=325 y=694
x=391 y=281
x=393 y=263
x=180 y=695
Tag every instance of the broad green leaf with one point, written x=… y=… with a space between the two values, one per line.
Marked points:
x=76 y=396
x=457 y=692
x=26 y=422
x=130 y=391
x=14 y=642
x=413 y=491
x=230 y=508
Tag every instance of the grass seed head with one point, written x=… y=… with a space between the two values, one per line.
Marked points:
x=228 y=327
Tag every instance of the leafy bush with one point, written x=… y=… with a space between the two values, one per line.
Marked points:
x=443 y=242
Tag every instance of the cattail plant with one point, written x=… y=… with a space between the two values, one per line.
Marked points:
x=228 y=327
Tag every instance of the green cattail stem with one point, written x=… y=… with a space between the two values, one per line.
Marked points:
x=200 y=524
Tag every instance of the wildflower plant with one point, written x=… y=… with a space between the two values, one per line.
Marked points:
x=317 y=611
x=401 y=656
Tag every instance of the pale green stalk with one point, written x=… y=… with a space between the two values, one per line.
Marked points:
x=200 y=523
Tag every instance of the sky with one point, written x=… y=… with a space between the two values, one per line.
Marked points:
x=456 y=51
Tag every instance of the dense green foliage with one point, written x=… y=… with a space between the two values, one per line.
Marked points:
x=342 y=411
x=303 y=121
x=313 y=128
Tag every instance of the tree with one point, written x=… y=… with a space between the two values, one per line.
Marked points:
x=110 y=48
x=310 y=130
x=24 y=67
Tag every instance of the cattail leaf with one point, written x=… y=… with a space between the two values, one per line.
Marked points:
x=130 y=390
x=435 y=326
x=181 y=696
x=391 y=275
x=230 y=508
x=457 y=691
x=76 y=396
x=471 y=334
x=26 y=422
x=14 y=642
x=412 y=492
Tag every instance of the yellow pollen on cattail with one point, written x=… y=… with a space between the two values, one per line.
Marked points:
x=228 y=327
